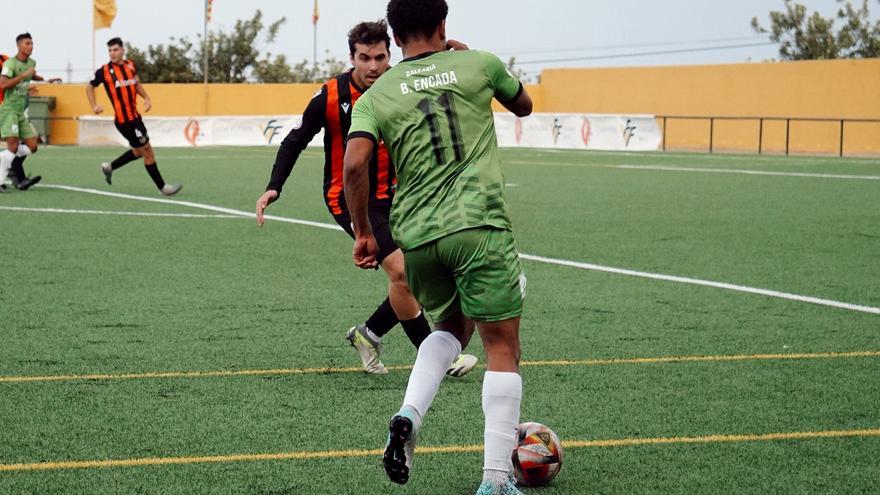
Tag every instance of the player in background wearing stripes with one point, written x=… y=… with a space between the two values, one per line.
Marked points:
x=330 y=109
x=123 y=86
x=15 y=129
x=433 y=110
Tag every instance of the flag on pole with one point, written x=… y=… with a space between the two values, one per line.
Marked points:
x=103 y=14
x=315 y=14
x=209 y=7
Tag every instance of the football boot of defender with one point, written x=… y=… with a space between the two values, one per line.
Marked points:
x=368 y=349
x=108 y=172
x=462 y=365
x=171 y=190
x=401 y=445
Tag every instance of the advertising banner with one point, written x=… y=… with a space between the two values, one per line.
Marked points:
x=562 y=131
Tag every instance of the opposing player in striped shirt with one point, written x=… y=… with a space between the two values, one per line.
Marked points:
x=120 y=80
x=331 y=109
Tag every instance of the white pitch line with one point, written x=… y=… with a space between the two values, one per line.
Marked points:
x=200 y=206
x=706 y=283
x=529 y=257
x=664 y=168
x=119 y=213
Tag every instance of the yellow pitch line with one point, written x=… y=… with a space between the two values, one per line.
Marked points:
x=344 y=454
x=319 y=371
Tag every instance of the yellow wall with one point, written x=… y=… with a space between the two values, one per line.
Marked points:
x=833 y=89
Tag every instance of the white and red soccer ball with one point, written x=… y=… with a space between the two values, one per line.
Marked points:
x=537 y=457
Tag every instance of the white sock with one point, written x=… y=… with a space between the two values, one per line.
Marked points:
x=23 y=150
x=502 y=394
x=6 y=158
x=435 y=355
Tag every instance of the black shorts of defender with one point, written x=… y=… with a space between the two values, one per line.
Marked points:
x=379 y=212
x=134 y=132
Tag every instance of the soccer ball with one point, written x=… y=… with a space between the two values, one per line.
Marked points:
x=537 y=457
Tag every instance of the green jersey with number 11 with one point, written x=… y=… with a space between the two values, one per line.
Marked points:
x=434 y=114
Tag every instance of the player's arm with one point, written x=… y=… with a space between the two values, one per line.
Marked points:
x=362 y=141
x=356 y=184
x=52 y=80
x=291 y=147
x=7 y=82
x=148 y=103
x=509 y=91
x=90 y=92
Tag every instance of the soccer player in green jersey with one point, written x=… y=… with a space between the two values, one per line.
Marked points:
x=15 y=128
x=433 y=112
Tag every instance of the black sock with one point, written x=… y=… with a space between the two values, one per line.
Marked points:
x=153 y=170
x=383 y=319
x=16 y=170
x=124 y=158
x=417 y=329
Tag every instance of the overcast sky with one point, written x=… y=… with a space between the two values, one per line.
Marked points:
x=584 y=33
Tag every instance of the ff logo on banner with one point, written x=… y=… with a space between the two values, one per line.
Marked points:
x=271 y=130
x=557 y=130
x=628 y=132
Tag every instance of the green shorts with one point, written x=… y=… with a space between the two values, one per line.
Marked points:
x=16 y=125
x=476 y=271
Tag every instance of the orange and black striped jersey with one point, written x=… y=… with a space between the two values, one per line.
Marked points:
x=330 y=109
x=120 y=81
x=3 y=59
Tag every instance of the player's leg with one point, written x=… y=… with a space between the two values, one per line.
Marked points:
x=497 y=313
x=9 y=133
x=29 y=146
x=434 y=285
x=133 y=153
x=405 y=306
x=502 y=396
x=366 y=338
x=153 y=170
x=109 y=167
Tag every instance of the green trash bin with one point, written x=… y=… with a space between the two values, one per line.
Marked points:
x=39 y=108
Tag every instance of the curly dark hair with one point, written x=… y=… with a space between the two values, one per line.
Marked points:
x=416 y=18
x=23 y=36
x=369 y=33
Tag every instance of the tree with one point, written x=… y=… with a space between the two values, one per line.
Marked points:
x=165 y=64
x=233 y=57
x=813 y=37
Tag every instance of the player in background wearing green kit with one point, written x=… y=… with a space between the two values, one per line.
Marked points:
x=15 y=128
x=433 y=113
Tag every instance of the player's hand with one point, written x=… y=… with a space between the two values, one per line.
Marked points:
x=456 y=45
x=265 y=200
x=98 y=109
x=365 y=251
x=148 y=104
